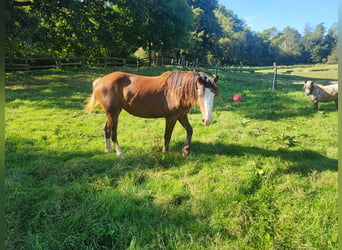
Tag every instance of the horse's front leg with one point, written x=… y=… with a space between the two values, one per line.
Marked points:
x=315 y=105
x=185 y=123
x=170 y=124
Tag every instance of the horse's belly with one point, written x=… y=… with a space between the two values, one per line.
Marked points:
x=147 y=109
x=151 y=105
x=143 y=112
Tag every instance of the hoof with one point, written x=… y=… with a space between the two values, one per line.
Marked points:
x=120 y=155
x=186 y=150
x=165 y=150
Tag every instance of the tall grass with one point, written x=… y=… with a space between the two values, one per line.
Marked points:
x=263 y=176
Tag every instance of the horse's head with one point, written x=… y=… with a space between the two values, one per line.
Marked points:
x=206 y=90
x=308 y=85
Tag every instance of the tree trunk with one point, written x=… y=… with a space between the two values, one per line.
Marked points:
x=149 y=53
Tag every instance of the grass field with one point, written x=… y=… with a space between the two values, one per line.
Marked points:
x=262 y=176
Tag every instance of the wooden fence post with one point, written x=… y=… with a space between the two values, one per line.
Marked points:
x=58 y=63
x=27 y=66
x=274 y=85
x=183 y=61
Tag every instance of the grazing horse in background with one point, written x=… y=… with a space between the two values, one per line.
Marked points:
x=321 y=93
x=169 y=95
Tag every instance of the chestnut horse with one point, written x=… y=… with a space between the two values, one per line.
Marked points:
x=169 y=95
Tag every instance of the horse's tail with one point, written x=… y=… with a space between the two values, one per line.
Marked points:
x=92 y=102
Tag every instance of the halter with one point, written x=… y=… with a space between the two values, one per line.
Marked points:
x=212 y=89
x=311 y=88
x=210 y=86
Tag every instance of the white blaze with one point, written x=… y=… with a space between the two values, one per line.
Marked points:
x=208 y=105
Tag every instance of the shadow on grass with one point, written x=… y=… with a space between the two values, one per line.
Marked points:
x=23 y=154
x=302 y=161
x=80 y=187
x=64 y=199
x=29 y=157
x=58 y=90
x=108 y=219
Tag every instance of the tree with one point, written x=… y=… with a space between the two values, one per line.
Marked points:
x=333 y=57
x=233 y=40
x=330 y=44
x=20 y=30
x=207 y=30
x=201 y=29
x=159 y=25
x=271 y=45
x=290 y=49
x=313 y=42
x=59 y=28
x=255 y=49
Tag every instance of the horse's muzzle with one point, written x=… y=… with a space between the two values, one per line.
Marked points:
x=206 y=122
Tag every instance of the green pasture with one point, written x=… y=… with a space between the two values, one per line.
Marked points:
x=262 y=176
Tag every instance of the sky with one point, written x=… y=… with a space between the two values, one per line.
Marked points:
x=263 y=14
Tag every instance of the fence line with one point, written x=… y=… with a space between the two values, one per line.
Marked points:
x=27 y=64
x=58 y=63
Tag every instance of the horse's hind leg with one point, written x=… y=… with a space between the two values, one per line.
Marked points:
x=114 y=134
x=336 y=103
x=185 y=123
x=110 y=133
x=107 y=134
x=170 y=124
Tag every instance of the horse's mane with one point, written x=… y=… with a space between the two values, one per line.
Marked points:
x=182 y=85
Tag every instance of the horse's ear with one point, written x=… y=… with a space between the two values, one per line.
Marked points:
x=215 y=78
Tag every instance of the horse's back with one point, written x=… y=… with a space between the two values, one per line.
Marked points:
x=142 y=96
x=114 y=78
x=123 y=79
x=112 y=84
x=331 y=89
x=335 y=87
x=325 y=93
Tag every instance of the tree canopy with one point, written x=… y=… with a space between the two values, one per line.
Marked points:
x=197 y=29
